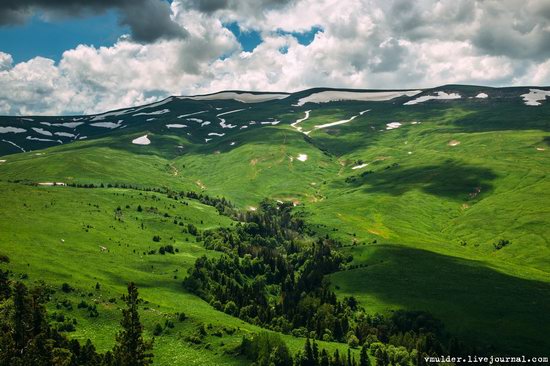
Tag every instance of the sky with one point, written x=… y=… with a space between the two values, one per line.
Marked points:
x=89 y=56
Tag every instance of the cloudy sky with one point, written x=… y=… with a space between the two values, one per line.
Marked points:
x=86 y=56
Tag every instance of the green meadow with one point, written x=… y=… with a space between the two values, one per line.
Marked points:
x=421 y=214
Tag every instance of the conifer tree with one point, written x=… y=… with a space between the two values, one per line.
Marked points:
x=364 y=357
x=131 y=349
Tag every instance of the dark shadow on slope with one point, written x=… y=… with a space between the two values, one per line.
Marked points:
x=449 y=179
x=475 y=302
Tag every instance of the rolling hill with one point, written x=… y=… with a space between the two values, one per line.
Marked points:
x=440 y=197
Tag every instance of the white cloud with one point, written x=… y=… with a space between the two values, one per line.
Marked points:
x=5 y=61
x=363 y=44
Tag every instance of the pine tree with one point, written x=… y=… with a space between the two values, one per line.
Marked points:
x=364 y=357
x=308 y=359
x=336 y=359
x=131 y=349
x=315 y=350
x=325 y=361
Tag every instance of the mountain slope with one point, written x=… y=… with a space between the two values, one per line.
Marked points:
x=418 y=184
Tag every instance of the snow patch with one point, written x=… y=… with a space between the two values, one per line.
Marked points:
x=175 y=125
x=64 y=134
x=226 y=125
x=68 y=124
x=298 y=121
x=482 y=96
x=440 y=96
x=239 y=97
x=393 y=125
x=360 y=166
x=101 y=117
x=191 y=114
x=302 y=157
x=335 y=95
x=206 y=123
x=143 y=140
x=453 y=143
x=216 y=134
x=51 y=184
x=12 y=130
x=273 y=123
x=535 y=96
x=198 y=120
x=42 y=131
x=14 y=144
x=154 y=113
x=43 y=140
x=229 y=112
x=110 y=125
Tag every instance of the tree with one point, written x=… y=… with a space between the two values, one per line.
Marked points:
x=325 y=361
x=364 y=357
x=131 y=349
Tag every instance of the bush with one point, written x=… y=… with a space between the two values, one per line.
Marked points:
x=501 y=244
x=181 y=316
x=266 y=349
x=158 y=330
x=66 y=288
x=156 y=238
x=230 y=308
x=353 y=341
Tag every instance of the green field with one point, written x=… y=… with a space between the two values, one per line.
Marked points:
x=420 y=220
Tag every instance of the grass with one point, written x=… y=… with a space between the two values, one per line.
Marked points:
x=475 y=301
x=434 y=210
x=54 y=234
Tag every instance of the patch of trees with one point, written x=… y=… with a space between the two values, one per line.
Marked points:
x=501 y=244
x=268 y=349
x=359 y=177
x=168 y=249
x=28 y=338
x=223 y=206
x=273 y=274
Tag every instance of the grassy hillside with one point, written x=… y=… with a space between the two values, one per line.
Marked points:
x=421 y=213
x=56 y=235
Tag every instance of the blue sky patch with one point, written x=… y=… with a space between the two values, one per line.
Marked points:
x=51 y=39
x=249 y=39
x=303 y=38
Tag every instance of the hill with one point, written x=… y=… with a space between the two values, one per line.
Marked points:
x=439 y=196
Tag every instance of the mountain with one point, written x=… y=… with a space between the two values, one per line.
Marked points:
x=438 y=196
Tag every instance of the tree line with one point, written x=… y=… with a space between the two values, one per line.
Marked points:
x=27 y=338
x=273 y=273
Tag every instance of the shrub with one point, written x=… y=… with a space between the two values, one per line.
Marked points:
x=158 y=330
x=66 y=288
x=230 y=308
x=501 y=244
x=181 y=316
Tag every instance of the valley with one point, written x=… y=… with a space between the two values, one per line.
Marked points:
x=435 y=198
